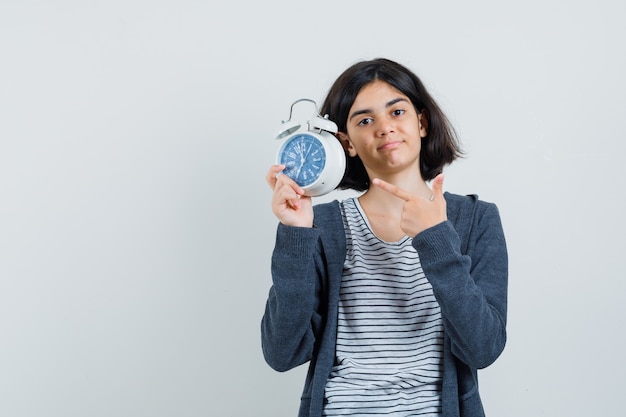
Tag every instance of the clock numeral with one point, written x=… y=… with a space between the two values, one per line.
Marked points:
x=304 y=159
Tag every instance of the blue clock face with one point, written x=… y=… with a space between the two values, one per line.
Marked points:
x=304 y=158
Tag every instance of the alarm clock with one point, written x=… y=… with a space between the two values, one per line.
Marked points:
x=312 y=155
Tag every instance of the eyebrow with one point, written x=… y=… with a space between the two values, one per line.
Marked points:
x=364 y=111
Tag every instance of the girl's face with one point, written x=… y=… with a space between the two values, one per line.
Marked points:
x=384 y=130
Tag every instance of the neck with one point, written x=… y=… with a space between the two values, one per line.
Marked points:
x=382 y=201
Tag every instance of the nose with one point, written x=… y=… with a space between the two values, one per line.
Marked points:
x=385 y=127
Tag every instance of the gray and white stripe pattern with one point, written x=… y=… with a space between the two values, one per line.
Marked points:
x=390 y=333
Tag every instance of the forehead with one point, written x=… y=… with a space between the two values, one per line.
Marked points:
x=377 y=94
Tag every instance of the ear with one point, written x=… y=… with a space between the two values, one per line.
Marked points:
x=423 y=124
x=347 y=144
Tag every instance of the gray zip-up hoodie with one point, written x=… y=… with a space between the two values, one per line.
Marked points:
x=465 y=261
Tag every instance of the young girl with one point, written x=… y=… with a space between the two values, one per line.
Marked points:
x=397 y=297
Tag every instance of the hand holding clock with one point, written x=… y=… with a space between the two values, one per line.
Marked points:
x=289 y=204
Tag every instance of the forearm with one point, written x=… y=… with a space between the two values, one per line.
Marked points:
x=471 y=290
x=287 y=325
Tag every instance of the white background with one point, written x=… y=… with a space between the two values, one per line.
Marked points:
x=135 y=228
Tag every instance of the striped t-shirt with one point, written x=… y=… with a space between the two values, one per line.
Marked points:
x=389 y=335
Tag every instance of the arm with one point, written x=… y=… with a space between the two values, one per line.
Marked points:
x=291 y=317
x=471 y=289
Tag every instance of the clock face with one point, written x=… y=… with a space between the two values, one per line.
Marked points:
x=304 y=158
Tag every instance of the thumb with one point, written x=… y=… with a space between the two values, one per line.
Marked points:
x=438 y=185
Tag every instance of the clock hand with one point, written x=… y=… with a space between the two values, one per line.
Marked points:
x=302 y=160
x=308 y=151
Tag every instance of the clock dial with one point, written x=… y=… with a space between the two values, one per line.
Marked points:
x=304 y=158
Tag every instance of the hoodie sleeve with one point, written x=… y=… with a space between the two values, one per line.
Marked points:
x=290 y=319
x=471 y=288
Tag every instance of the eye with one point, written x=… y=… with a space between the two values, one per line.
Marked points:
x=364 y=122
x=398 y=112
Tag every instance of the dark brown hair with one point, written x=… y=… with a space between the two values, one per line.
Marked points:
x=439 y=147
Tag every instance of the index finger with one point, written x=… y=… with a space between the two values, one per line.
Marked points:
x=393 y=189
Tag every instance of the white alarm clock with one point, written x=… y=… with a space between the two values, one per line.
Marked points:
x=312 y=155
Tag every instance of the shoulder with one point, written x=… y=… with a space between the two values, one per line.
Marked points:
x=327 y=215
x=472 y=216
x=458 y=205
x=328 y=219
